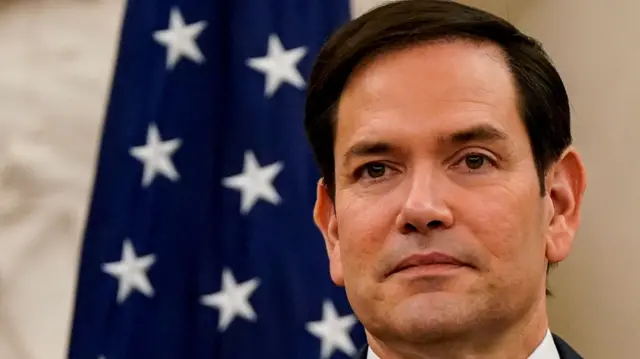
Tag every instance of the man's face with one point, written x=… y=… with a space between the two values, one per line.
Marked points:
x=433 y=161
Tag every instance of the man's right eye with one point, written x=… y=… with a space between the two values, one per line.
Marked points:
x=373 y=170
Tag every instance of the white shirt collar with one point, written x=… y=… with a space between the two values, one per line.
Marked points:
x=546 y=350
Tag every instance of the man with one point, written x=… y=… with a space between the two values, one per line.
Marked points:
x=449 y=182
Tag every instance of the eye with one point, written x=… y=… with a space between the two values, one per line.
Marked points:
x=374 y=170
x=474 y=161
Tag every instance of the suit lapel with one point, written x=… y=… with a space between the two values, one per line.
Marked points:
x=565 y=351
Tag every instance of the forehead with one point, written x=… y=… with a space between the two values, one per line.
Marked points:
x=431 y=89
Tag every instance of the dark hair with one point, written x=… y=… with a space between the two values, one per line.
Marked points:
x=543 y=100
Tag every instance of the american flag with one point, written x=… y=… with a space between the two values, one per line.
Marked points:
x=200 y=241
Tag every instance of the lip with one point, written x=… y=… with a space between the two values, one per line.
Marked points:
x=428 y=263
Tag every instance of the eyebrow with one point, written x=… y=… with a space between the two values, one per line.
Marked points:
x=368 y=148
x=477 y=133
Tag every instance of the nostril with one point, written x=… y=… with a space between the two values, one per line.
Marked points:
x=410 y=227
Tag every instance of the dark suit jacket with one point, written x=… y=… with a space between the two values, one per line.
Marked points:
x=566 y=352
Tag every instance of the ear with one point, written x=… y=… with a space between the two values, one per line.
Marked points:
x=324 y=215
x=566 y=184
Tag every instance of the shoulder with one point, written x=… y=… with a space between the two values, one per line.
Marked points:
x=564 y=349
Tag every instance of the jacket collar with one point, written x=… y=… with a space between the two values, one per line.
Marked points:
x=564 y=349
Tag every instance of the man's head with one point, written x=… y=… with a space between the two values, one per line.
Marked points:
x=442 y=134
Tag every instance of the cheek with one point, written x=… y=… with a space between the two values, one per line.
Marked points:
x=363 y=225
x=506 y=222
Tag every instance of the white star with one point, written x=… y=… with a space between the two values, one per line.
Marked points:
x=333 y=331
x=279 y=65
x=180 y=39
x=156 y=156
x=255 y=182
x=131 y=272
x=232 y=300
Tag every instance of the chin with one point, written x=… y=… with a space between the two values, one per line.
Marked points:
x=432 y=316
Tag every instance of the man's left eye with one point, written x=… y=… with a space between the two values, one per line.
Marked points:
x=474 y=161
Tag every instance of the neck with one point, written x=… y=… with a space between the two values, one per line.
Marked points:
x=516 y=341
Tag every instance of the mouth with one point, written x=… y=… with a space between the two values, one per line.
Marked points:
x=433 y=263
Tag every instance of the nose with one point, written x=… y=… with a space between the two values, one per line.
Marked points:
x=424 y=209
